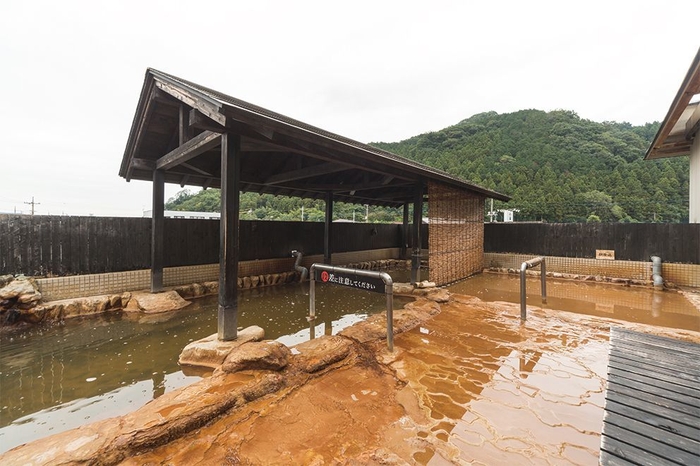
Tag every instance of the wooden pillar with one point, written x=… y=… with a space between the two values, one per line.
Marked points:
x=404 y=233
x=327 y=246
x=157 y=230
x=183 y=128
x=228 y=237
x=417 y=223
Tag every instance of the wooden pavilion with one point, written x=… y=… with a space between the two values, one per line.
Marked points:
x=188 y=134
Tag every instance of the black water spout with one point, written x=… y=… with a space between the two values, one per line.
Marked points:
x=297 y=265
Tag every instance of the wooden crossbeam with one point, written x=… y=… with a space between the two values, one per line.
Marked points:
x=195 y=169
x=344 y=187
x=308 y=172
x=189 y=150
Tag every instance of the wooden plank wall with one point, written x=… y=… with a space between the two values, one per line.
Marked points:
x=56 y=245
x=673 y=242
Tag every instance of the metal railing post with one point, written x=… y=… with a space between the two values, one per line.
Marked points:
x=389 y=290
x=312 y=304
x=543 y=278
x=523 y=294
x=543 y=274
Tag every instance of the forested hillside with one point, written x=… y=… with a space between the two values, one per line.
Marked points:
x=556 y=166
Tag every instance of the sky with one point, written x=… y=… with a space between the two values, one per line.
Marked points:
x=373 y=71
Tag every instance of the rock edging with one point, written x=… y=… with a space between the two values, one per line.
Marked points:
x=250 y=371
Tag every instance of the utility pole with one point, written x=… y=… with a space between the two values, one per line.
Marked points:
x=492 y=214
x=33 y=204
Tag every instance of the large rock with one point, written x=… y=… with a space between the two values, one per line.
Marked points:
x=211 y=352
x=314 y=355
x=439 y=295
x=374 y=328
x=5 y=279
x=24 y=291
x=156 y=302
x=402 y=288
x=177 y=413
x=261 y=355
x=55 y=311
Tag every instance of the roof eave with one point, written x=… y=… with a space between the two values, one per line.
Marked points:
x=129 y=150
x=689 y=87
x=342 y=144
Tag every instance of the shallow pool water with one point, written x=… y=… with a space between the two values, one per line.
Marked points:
x=58 y=377
x=631 y=304
x=53 y=378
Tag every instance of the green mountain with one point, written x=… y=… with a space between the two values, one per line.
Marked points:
x=556 y=167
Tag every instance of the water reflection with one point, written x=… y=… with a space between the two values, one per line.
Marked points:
x=498 y=392
x=57 y=377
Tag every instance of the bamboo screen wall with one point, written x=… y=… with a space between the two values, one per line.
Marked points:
x=456 y=233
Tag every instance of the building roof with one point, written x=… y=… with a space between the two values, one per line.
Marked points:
x=675 y=136
x=279 y=155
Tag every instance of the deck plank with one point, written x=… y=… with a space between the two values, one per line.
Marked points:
x=669 y=387
x=668 y=425
x=652 y=401
x=672 y=404
x=642 y=368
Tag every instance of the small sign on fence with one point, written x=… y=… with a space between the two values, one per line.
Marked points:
x=352 y=280
x=605 y=254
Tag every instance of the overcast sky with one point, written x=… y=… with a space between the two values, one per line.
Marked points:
x=369 y=70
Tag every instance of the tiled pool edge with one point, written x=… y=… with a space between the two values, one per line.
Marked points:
x=679 y=274
x=118 y=282
x=76 y=286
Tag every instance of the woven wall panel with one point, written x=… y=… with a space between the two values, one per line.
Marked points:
x=456 y=233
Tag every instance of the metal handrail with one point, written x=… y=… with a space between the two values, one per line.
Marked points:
x=543 y=272
x=388 y=291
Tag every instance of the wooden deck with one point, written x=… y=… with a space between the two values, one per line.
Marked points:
x=652 y=402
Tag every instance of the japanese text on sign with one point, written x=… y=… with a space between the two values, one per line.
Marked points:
x=353 y=281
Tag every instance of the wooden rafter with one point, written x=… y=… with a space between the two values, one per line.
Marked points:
x=308 y=172
x=189 y=150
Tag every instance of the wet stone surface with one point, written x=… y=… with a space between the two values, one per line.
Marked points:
x=470 y=384
x=497 y=392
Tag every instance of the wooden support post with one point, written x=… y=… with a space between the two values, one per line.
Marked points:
x=228 y=237
x=417 y=223
x=157 y=230
x=404 y=233
x=327 y=246
x=183 y=127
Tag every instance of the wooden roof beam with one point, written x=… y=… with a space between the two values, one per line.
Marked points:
x=308 y=172
x=189 y=150
x=350 y=188
x=196 y=170
x=201 y=102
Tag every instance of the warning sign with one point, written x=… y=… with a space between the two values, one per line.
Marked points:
x=375 y=284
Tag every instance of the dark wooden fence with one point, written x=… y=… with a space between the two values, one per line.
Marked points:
x=56 y=245
x=42 y=245
x=673 y=242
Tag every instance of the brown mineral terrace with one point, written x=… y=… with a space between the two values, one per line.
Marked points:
x=467 y=383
